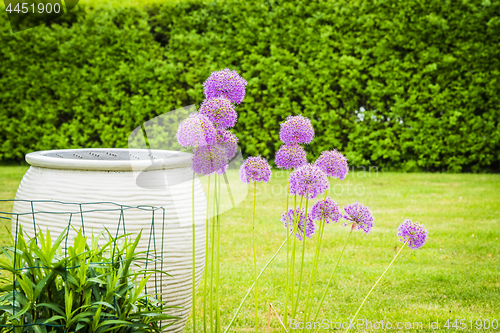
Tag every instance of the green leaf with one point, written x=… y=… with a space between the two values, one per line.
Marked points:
x=20 y=313
x=54 y=318
x=55 y=307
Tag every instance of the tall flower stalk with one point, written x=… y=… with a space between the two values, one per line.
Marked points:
x=333 y=273
x=373 y=287
x=194 y=258
x=410 y=233
x=213 y=147
x=295 y=130
x=207 y=227
x=255 y=255
x=290 y=156
x=255 y=169
x=212 y=242
x=301 y=263
x=359 y=217
x=296 y=213
x=217 y=272
x=306 y=181
x=334 y=164
x=196 y=131
x=321 y=217
x=301 y=228
x=228 y=327
x=285 y=310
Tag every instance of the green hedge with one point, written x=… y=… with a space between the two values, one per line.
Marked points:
x=410 y=85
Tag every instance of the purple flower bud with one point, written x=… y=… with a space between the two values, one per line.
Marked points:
x=296 y=129
x=225 y=83
x=220 y=111
x=290 y=156
x=196 y=130
x=308 y=180
x=228 y=141
x=413 y=232
x=333 y=163
x=292 y=215
x=209 y=159
x=255 y=169
x=360 y=215
x=327 y=210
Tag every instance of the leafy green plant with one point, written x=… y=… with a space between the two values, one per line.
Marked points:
x=88 y=288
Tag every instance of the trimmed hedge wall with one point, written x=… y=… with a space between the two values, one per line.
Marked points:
x=410 y=85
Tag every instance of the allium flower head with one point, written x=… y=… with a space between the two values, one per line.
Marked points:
x=225 y=83
x=290 y=156
x=413 y=232
x=209 y=159
x=361 y=215
x=308 y=180
x=196 y=130
x=228 y=141
x=333 y=163
x=327 y=210
x=220 y=111
x=292 y=215
x=255 y=169
x=296 y=129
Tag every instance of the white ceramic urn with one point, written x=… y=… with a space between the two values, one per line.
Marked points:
x=104 y=187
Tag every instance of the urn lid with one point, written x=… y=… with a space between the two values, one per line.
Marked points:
x=109 y=159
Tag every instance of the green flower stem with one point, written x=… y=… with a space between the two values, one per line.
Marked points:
x=255 y=257
x=206 y=266
x=302 y=261
x=312 y=279
x=380 y=278
x=194 y=258
x=252 y=286
x=212 y=328
x=292 y=266
x=217 y=284
x=285 y=311
x=333 y=273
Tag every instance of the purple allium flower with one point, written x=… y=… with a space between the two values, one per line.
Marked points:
x=225 y=83
x=333 y=163
x=327 y=210
x=290 y=156
x=209 y=159
x=296 y=129
x=308 y=179
x=220 y=111
x=196 y=130
x=292 y=215
x=413 y=232
x=255 y=169
x=228 y=141
x=360 y=215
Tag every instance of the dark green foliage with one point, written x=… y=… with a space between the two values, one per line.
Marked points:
x=84 y=83
x=424 y=72
x=90 y=288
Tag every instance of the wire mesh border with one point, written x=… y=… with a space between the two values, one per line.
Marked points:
x=81 y=211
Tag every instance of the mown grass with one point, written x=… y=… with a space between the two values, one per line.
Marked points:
x=10 y=177
x=456 y=275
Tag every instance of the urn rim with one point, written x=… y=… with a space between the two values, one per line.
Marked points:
x=109 y=159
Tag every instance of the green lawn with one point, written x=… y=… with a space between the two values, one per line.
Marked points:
x=456 y=275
